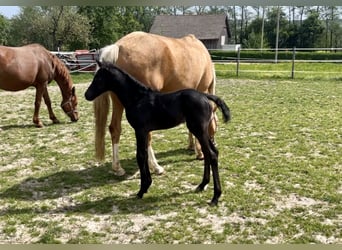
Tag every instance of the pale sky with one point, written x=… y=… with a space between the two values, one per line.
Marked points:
x=9 y=11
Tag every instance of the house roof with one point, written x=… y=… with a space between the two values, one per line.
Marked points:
x=202 y=26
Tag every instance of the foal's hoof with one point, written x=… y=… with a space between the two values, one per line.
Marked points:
x=199 y=189
x=213 y=203
x=140 y=195
x=55 y=121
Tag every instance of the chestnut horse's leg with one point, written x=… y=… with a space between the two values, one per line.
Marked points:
x=47 y=101
x=115 y=131
x=152 y=161
x=38 y=100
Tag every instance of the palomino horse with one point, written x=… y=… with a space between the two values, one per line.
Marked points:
x=33 y=65
x=148 y=110
x=162 y=63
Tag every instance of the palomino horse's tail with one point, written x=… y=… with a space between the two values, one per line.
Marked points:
x=101 y=105
x=101 y=109
x=211 y=90
x=221 y=105
x=212 y=86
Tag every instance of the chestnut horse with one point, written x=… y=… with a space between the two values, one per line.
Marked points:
x=33 y=65
x=162 y=63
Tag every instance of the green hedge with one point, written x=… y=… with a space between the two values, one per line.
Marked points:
x=282 y=55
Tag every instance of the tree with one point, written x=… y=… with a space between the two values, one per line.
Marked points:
x=332 y=26
x=103 y=23
x=129 y=20
x=311 y=30
x=27 y=28
x=53 y=26
x=254 y=37
x=4 y=30
x=66 y=28
x=271 y=28
x=109 y=23
x=235 y=22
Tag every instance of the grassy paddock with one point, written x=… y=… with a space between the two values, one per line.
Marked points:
x=280 y=168
x=282 y=70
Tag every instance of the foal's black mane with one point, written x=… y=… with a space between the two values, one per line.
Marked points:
x=128 y=78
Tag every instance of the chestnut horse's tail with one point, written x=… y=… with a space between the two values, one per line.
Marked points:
x=101 y=105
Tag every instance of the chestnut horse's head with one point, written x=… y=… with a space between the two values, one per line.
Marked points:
x=69 y=106
x=63 y=79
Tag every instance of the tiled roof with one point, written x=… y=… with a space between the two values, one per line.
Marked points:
x=202 y=26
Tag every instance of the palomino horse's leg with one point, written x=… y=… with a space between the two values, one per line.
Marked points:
x=194 y=145
x=115 y=131
x=211 y=130
x=191 y=141
x=152 y=161
x=38 y=100
x=47 y=101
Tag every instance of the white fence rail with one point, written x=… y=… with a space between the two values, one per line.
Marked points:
x=238 y=60
x=84 y=60
x=79 y=61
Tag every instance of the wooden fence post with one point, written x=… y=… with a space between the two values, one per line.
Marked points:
x=238 y=62
x=293 y=62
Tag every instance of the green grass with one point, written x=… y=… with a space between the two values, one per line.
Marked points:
x=81 y=77
x=302 y=71
x=279 y=162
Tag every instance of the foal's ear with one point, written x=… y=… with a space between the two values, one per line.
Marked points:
x=98 y=63
x=73 y=91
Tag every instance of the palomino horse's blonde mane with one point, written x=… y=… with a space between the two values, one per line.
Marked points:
x=109 y=53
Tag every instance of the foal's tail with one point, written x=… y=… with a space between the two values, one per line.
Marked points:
x=101 y=105
x=222 y=106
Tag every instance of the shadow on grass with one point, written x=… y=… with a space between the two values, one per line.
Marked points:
x=64 y=183
x=131 y=204
x=16 y=126
x=164 y=157
x=113 y=205
x=33 y=126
